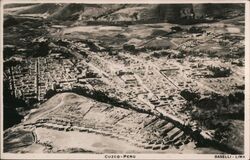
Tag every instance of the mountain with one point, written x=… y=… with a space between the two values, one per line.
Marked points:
x=67 y=11
x=14 y=5
x=132 y=12
x=49 y=8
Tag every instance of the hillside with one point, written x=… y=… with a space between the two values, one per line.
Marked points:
x=68 y=116
x=15 y=5
x=175 y=13
x=41 y=9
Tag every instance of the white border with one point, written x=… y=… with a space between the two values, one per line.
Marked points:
x=247 y=78
x=138 y=156
x=124 y=1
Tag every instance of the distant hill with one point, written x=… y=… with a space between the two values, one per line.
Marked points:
x=49 y=8
x=67 y=11
x=133 y=12
x=216 y=10
x=14 y=5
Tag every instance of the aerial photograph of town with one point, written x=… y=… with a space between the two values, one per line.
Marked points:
x=123 y=78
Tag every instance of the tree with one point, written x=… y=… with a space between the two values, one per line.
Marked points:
x=190 y=96
x=176 y=29
x=129 y=47
x=195 y=30
x=219 y=71
x=50 y=93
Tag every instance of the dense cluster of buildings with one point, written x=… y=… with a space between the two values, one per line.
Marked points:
x=36 y=76
x=143 y=81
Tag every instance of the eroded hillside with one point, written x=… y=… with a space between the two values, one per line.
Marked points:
x=98 y=127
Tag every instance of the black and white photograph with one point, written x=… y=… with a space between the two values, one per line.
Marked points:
x=122 y=80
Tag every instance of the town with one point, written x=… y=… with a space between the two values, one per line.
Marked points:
x=145 y=85
x=143 y=81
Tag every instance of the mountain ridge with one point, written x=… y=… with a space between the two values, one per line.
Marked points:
x=131 y=12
